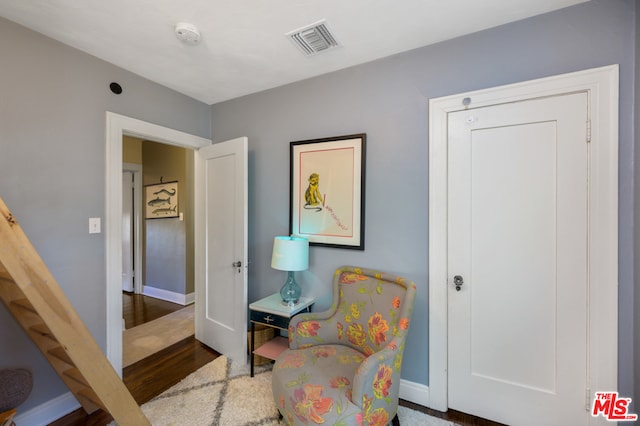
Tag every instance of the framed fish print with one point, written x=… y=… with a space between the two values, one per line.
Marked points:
x=161 y=200
x=327 y=188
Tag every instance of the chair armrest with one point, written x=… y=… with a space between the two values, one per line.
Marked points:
x=377 y=381
x=310 y=329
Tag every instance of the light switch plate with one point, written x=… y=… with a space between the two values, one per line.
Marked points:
x=94 y=225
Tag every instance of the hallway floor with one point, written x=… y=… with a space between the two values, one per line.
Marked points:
x=138 y=309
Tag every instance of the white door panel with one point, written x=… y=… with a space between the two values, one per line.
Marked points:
x=518 y=238
x=221 y=250
x=513 y=250
x=127 y=231
x=221 y=210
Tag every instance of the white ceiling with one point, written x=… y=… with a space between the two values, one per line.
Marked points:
x=244 y=48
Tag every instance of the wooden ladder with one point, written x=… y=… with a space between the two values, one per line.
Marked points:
x=38 y=303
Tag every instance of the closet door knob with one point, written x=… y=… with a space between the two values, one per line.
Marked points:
x=458 y=281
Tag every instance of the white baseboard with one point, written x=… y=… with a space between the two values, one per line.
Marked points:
x=48 y=412
x=414 y=392
x=169 y=296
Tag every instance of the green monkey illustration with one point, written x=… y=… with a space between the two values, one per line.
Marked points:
x=312 y=195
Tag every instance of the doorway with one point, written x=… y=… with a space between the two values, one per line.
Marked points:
x=599 y=88
x=218 y=192
x=157 y=272
x=117 y=126
x=161 y=247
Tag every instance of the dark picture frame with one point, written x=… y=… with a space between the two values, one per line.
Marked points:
x=327 y=191
x=161 y=200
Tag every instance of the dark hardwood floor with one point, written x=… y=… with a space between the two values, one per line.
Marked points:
x=138 y=309
x=158 y=372
x=457 y=417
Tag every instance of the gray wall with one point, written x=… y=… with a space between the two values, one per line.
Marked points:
x=52 y=114
x=52 y=170
x=165 y=239
x=388 y=100
x=165 y=255
x=636 y=115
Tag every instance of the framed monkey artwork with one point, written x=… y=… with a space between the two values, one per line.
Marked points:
x=327 y=189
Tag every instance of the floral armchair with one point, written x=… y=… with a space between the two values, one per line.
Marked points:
x=343 y=365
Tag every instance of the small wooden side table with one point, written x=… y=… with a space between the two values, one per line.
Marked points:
x=271 y=312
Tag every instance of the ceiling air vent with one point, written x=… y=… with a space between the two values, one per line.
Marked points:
x=313 y=39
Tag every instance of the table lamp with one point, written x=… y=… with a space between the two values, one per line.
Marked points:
x=290 y=254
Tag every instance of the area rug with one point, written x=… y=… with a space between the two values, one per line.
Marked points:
x=222 y=393
x=148 y=338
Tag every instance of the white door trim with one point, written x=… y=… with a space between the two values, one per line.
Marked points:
x=601 y=84
x=117 y=126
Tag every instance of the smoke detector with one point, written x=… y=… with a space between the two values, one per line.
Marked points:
x=187 y=33
x=313 y=39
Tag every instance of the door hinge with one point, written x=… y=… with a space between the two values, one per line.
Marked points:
x=588 y=131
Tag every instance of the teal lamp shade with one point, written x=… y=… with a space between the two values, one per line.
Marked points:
x=290 y=254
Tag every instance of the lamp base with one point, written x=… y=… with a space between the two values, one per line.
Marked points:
x=290 y=291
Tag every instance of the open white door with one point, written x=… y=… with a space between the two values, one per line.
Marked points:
x=221 y=247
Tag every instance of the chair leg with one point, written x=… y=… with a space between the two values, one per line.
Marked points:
x=395 y=421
